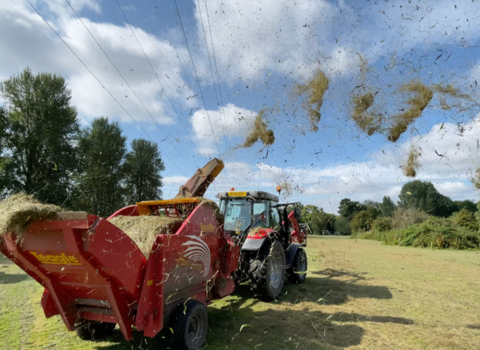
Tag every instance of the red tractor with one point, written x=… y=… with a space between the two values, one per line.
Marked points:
x=271 y=241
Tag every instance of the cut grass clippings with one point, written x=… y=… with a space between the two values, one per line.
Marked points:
x=259 y=132
x=144 y=229
x=422 y=95
x=19 y=210
x=315 y=89
x=368 y=122
x=412 y=164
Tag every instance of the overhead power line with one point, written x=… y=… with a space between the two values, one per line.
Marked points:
x=98 y=80
x=156 y=76
x=126 y=82
x=216 y=68
x=196 y=75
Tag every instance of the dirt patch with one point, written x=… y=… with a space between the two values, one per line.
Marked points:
x=412 y=163
x=144 y=229
x=259 y=132
x=315 y=89
x=19 y=210
x=422 y=95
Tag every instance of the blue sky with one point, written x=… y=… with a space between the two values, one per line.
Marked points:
x=248 y=55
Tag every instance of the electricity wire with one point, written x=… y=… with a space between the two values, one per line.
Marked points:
x=98 y=80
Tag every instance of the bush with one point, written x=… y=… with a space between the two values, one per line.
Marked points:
x=433 y=233
x=342 y=225
x=403 y=218
x=465 y=218
x=361 y=222
x=382 y=224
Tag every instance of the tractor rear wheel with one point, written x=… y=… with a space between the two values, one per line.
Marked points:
x=190 y=326
x=298 y=272
x=267 y=271
x=92 y=330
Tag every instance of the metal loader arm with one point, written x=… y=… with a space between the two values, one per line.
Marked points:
x=199 y=182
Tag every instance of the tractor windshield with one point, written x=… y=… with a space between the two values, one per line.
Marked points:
x=238 y=214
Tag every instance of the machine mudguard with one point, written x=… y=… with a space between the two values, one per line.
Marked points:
x=251 y=244
x=291 y=251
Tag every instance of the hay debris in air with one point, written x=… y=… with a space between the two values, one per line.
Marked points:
x=19 y=210
x=412 y=164
x=368 y=122
x=422 y=97
x=259 y=132
x=144 y=229
x=315 y=89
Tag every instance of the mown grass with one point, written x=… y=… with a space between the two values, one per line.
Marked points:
x=433 y=233
x=358 y=295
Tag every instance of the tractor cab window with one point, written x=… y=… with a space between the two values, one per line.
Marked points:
x=274 y=220
x=260 y=214
x=237 y=214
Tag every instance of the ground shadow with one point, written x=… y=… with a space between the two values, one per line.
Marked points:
x=473 y=326
x=238 y=325
x=6 y=278
x=243 y=328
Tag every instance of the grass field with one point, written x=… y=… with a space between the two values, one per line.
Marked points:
x=359 y=294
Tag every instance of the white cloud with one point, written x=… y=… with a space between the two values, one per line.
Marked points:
x=229 y=121
x=254 y=38
x=25 y=36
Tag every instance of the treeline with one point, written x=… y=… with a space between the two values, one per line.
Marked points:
x=45 y=152
x=418 y=200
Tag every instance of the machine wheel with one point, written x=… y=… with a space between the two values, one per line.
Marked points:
x=190 y=326
x=92 y=330
x=298 y=272
x=267 y=271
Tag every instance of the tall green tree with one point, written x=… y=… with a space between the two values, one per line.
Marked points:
x=142 y=172
x=387 y=207
x=467 y=204
x=424 y=196
x=342 y=225
x=38 y=128
x=317 y=219
x=101 y=151
x=349 y=208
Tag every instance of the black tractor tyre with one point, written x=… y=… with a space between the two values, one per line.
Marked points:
x=189 y=326
x=297 y=273
x=267 y=271
x=92 y=330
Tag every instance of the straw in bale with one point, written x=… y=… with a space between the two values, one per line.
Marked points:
x=19 y=210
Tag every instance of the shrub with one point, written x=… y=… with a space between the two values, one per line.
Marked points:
x=382 y=224
x=434 y=233
x=362 y=221
x=403 y=218
x=465 y=218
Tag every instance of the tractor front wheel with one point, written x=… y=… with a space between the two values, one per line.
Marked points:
x=298 y=272
x=267 y=271
x=92 y=330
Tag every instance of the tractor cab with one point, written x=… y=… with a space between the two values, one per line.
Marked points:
x=245 y=211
